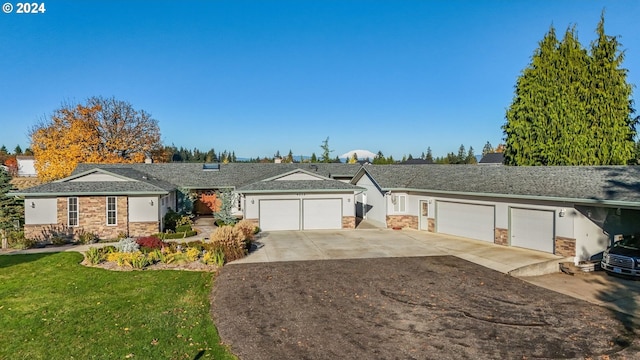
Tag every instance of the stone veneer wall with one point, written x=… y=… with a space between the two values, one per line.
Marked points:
x=143 y=228
x=501 y=236
x=255 y=222
x=92 y=215
x=431 y=225
x=348 y=222
x=402 y=221
x=565 y=246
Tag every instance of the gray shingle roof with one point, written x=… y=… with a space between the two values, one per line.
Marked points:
x=492 y=158
x=92 y=188
x=192 y=176
x=598 y=183
x=299 y=185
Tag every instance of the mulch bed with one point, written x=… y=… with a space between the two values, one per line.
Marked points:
x=190 y=266
x=406 y=308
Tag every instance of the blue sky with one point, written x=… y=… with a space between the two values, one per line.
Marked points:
x=260 y=76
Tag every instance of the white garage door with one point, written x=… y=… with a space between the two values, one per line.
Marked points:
x=466 y=220
x=280 y=214
x=321 y=214
x=532 y=229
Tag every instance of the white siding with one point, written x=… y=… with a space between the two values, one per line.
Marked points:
x=590 y=239
x=376 y=208
x=97 y=176
x=298 y=176
x=141 y=208
x=26 y=167
x=40 y=211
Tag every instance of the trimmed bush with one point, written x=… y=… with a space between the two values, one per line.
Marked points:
x=183 y=228
x=247 y=228
x=178 y=235
x=150 y=242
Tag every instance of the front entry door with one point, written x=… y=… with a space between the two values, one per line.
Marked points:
x=424 y=215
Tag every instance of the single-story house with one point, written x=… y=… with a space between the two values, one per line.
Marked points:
x=132 y=199
x=569 y=211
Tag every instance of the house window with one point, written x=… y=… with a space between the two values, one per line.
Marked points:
x=400 y=203
x=111 y=210
x=72 y=211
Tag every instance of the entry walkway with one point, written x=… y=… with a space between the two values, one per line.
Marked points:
x=373 y=243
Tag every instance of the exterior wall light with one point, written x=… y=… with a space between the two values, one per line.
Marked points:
x=253 y=201
x=562 y=212
x=151 y=202
x=33 y=205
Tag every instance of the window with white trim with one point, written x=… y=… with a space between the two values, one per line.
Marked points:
x=400 y=203
x=112 y=210
x=72 y=211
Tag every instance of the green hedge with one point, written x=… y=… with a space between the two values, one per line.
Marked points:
x=183 y=228
x=177 y=235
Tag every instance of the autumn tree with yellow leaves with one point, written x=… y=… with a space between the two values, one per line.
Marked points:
x=100 y=131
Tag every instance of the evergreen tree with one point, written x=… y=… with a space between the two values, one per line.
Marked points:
x=326 y=151
x=571 y=107
x=471 y=157
x=488 y=148
x=462 y=155
x=28 y=152
x=17 y=150
x=429 y=156
x=11 y=211
x=289 y=158
x=314 y=158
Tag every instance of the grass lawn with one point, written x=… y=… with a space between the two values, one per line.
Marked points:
x=51 y=307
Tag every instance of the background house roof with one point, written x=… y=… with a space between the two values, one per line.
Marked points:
x=492 y=158
x=598 y=183
x=192 y=175
x=299 y=185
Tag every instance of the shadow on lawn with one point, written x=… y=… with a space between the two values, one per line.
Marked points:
x=12 y=260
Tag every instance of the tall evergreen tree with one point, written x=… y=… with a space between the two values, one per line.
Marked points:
x=429 y=156
x=488 y=148
x=11 y=209
x=471 y=157
x=462 y=155
x=326 y=151
x=571 y=107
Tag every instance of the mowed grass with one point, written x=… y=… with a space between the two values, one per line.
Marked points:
x=51 y=307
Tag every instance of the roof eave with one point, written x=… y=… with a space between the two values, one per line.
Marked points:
x=613 y=203
x=89 y=193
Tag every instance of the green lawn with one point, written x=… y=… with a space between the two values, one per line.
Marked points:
x=51 y=307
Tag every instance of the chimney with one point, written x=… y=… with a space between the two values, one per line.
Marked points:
x=148 y=160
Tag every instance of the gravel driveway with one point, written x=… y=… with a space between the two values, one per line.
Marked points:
x=438 y=307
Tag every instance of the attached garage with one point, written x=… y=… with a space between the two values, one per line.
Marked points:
x=532 y=229
x=279 y=214
x=472 y=221
x=319 y=214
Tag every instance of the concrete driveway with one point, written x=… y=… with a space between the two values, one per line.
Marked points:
x=378 y=243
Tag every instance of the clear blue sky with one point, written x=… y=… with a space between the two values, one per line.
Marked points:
x=260 y=76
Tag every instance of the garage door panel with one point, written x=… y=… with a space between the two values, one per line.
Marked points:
x=533 y=229
x=320 y=214
x=280 y=214
x=466 y=220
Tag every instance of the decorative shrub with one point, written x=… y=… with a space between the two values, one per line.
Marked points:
x=196 y=244
x=183 y=228
x=150 y=242
x=192 y=254
x=139 y=260
x=86 y=237
x=93 y=255
x=231 y=241
x=247 y=228
x=108 y=249
x=17 y=240
x=215 y=257
x=184 y=220
x=171 y=219
x=127 y=245
x=178 y=235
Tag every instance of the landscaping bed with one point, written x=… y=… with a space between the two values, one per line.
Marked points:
x=406 y=308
